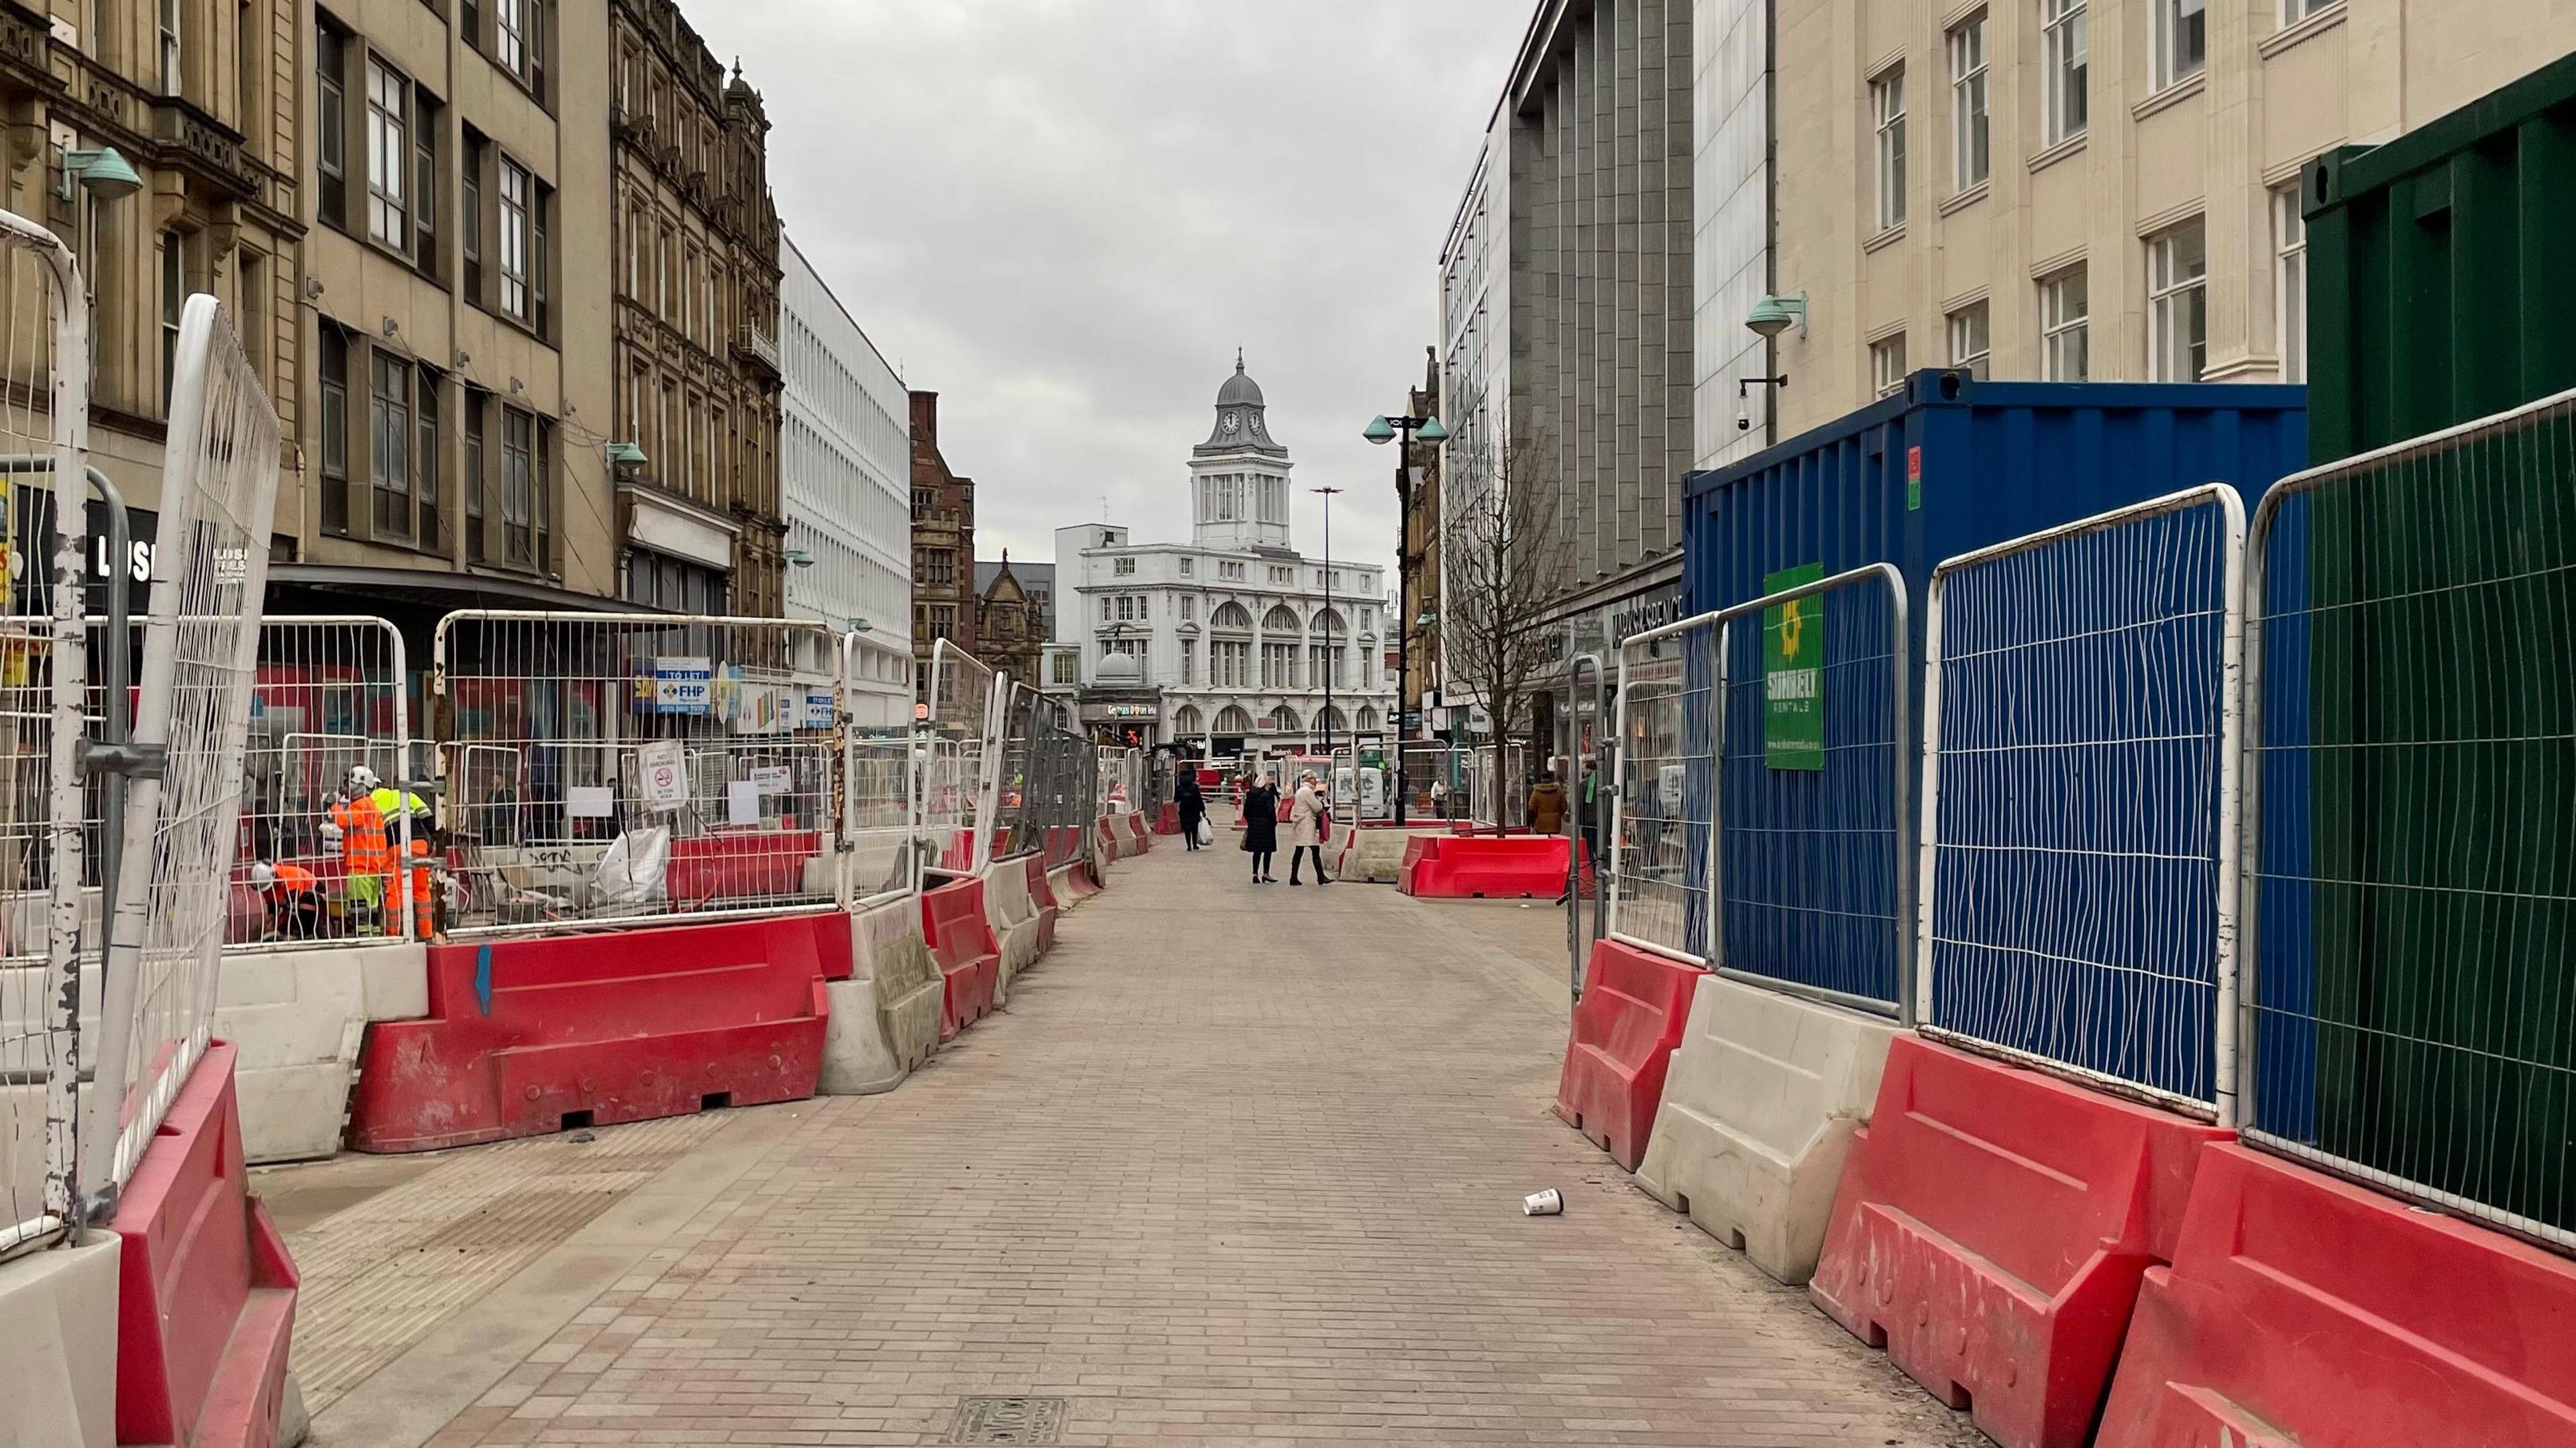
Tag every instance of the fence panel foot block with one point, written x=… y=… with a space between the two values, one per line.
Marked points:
x=1763 y=1098
x=1991 y=1229
x=206 y=1290
x=58 y=1324
x=1625 y=1028
x=2307 y=1312
x=527 y=1035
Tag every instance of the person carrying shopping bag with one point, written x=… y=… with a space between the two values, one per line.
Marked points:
x=1191 y=805
x=1306 y=824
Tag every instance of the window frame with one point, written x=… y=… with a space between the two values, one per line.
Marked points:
x=2060 y=332
x=2290 y=282
x=430 y=530
x=477 y=507
x=171 y=264
x=518 y=486
x=2177 y=298
x=515 y=299
x=2168 y=27
x=332 y=369
x=1887 y=146
x=1972 y=324
x=1886 y=380
x=390 y=440
x=331 y=121
x=171 y=35
x=1971 y=120
x=388 y=136
x=2065 y=50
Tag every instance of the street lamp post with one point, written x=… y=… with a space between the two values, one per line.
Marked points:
x=1332 y=650
x=1385 y=430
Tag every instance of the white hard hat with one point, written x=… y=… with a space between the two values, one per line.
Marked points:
x=361 y=777
x=263 y=875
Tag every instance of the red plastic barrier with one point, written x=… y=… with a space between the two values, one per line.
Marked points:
x=1081 y=883
x=1042 y=895
x=1625 y=1028
x=1492 y=867
x=1168 y=822
x=1109 y=838
x=1136 y=833
x=734 y=865
x=1416 y=850
x=961 y=941
x=2303 y=1310
x=615 y=1026
x=205 y=1288
x=1991 y=1229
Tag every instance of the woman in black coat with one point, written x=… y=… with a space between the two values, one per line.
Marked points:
x=1261 y=828
x=1192 y=805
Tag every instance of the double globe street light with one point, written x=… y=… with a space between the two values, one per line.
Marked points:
x=1382 y=430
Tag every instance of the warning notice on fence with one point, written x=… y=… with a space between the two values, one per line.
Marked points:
x=683 y=684
x=666 y=781
x=1793 y=674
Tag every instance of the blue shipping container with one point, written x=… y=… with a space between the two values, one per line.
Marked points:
x=1948 y=465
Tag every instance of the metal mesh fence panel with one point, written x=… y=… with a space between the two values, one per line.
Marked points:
x=1813 y=781
x=956 y=807
x=2078 y=840
x=200 y=657
x=1663 y=802
x=330 y=699
x=613 y=767
x=1498 y=785
x=44 y=417
x=2409 y=1008
x=1434 y=783
x=877 y=790
x=1016 y=832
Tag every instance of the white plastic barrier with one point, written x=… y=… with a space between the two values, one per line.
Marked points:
x=58 y=1344
x=297 y=1018
x=1014 y=918
x=885 y=1017
x=1760 y=1105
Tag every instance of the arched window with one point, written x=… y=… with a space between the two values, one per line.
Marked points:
x=1330 y=621
x=1331 y=721
x=1284 y=720
x=1279 y=620
x=1231 y=616
x=1186 y=722
x=1232 y=720
x=1368 y=721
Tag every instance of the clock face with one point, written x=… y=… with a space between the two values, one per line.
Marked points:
x=1233 y=423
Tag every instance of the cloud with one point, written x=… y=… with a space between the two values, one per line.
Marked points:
x=1064 y=216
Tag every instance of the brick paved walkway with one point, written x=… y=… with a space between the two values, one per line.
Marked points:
x=1236 y=1167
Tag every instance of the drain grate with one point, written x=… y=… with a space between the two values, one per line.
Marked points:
x=1008 y=1420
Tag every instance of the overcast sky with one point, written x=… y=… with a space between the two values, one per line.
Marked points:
x=1064 y=216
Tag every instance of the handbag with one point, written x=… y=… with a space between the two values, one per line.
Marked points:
x=1207 y=836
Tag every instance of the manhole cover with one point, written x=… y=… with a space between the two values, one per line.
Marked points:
x=1008 y=1420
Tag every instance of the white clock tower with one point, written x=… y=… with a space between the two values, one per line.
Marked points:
x=1239 y=476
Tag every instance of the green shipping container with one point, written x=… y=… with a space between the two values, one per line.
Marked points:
x=2440 y=287
x=2438 y=617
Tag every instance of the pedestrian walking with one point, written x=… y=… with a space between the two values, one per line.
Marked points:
x=1440 y=800
x=1307 y=819
x=1192 y=806
x=1261 y=828
x=1546 y=813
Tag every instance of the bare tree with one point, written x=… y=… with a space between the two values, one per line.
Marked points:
x=1505 y=560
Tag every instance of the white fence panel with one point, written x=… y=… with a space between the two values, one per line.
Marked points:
x=606 y=768
x=200 y=656
x=958 y=791
x=1663 y=808
x=44 y=420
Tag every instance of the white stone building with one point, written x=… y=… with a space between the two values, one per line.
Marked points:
x=845 y=476
x=1233 y=639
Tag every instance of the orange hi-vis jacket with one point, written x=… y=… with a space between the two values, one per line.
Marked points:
x=362 y=831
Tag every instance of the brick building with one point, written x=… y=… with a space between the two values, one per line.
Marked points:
x=943 y=545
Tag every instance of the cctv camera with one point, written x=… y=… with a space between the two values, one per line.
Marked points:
x=1743 y=418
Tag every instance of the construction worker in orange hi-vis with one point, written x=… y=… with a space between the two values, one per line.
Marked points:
x=361 y=827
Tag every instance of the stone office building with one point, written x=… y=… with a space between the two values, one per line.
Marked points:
x=701 y=524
